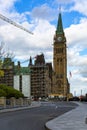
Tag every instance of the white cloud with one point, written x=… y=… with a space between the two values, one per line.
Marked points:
x=78 y=85
x=21 y=43
x=77 y=32
x=44 y=12
x=40 y=39
x=63 y=1
x=76 y=36
x=7 y=9
x=7 y=5
x=77 y=41
x=80 y=6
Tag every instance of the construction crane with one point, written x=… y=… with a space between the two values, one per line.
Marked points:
x=14 y=23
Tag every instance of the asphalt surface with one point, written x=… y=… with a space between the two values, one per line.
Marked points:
x=33 y=118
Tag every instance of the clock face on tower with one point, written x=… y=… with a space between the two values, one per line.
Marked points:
x=59 y=39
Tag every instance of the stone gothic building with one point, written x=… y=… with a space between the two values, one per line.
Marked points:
x=60 y=82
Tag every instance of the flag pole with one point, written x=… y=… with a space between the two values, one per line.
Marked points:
x=70 y=75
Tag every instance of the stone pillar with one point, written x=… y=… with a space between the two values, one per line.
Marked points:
x=21 y=101
x=3 y=101
x=13 y=102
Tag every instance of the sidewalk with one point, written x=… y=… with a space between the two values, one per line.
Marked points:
x=75 y=119
x=33 y=104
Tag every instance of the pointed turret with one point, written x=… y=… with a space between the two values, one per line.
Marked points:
x=59 y=25
x=30 y=61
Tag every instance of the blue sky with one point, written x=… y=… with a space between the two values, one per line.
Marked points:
x=40 y=17
x=22 y=6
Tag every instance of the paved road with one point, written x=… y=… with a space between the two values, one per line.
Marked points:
x=33 y=118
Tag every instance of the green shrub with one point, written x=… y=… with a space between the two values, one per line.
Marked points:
x=2 y=93
x=10 y=92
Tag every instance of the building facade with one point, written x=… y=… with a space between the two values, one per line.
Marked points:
x=22 y=80
x=60 y=82
x=8 y=69
x=34 y=80
x=40 y=78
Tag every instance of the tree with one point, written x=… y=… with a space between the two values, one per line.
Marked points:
x=1 y=50
x=1 y=57
x=9 y=92
x=1 y=71
x=2 y=93
x=4 y=55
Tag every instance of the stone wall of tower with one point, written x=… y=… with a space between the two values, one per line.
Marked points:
x=60 y=84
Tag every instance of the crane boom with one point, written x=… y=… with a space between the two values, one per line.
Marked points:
x=14 y=23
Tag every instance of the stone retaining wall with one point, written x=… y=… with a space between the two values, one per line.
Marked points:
x=13 y=102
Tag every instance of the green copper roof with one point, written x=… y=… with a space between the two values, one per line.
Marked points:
x=59 y=25
x=22 y=70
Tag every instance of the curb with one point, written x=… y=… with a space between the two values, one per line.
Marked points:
x=13 y=109
x=18 y=109
x=46 y=128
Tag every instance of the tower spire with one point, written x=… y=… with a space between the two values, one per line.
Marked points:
x=59 y=24
x=30 y=61
x=60 y=9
